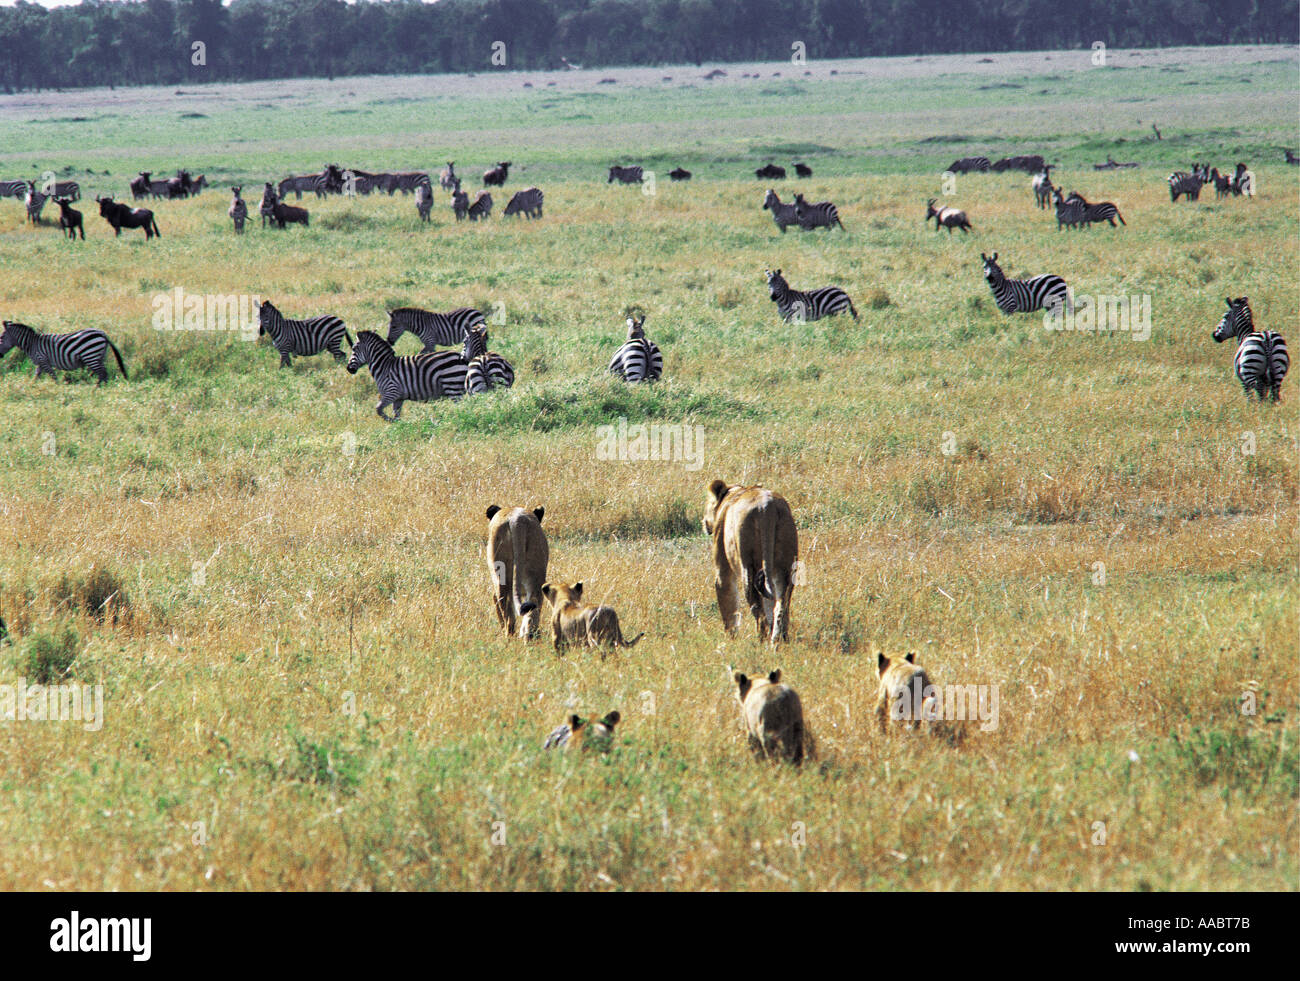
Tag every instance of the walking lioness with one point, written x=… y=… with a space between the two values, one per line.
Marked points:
x=773 y=716
x=517 y=554
x=755 y=548
x=575 y=622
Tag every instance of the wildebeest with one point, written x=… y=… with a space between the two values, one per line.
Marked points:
x=498 y=174
x=180 y=186
x=198 y=184
x=948 y=218
x=770 y=172
x=287 y=214
x=802 y=170
x=70 y=219
x=1029 y=164
x=678 y=174
x=124 y=216
x=625 y=175
x=140 y=185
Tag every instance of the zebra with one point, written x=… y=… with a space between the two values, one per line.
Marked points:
x=1097 y=212
x=498 y=174
x=423 y=201
x=70 y=219
x=420 y=378
x=71 y=190
x=803 y=307
x=1243 y=182
x=1222 y=183
x=967 y=164
x=625 y=175
x=238 y=210
x=34 y=200
x=411 y=181
x=1023 y=295
x=1261 y=361
x=527 y=202
x=64 y=352
x=1070 y=211
x=317 y=183
x=1188 y=185
x=481 y=208
x=13 y=189
x=269 y=201
x=823 y=214
x=1042 y=185
x=301 y=337
x=433 y=329
x=448 y=178
x=783 y=214
x=459 y=202
x=484 y=369
x=948 y=218
x=639 y=359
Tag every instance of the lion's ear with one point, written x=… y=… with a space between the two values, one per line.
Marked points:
x=539 y=511
x=718 y=489
x=575 y=723
x=882 y=662
x=611 y=720
x=577 y=590
x=491 y=511
x=911 y=657
x=739 y=678
x=548 y=591
x=775 y=676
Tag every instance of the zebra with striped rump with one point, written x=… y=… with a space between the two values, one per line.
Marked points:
x=419 y=378
x=62 y=352
x=34 y=201
x=806 y=306
x=967 y=164
x=484 y=369
x=1261 y=361
x=481 y=208
x=13 y=189
x=238 y=210
x=1098 y=212
x=527 y=202
x=1188 y=185
x=639 y=359
x=319 y=184
x=783 y=214
x=411 y=181
x=625 y=175
x=1023 y=295
x=301 y=337
x=433 y=329
x=423 y=201
x=823 y=214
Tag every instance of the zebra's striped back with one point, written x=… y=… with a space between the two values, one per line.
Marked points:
x=481 y=208
x=433 y=329
x=13 y=189
x=1102 y=211
x=639 y=359
x=822 y=214
x=484 y=369
x=408 y=182
x=61 y=352
x=805 y=306
x=625 y=175
x=1022 y=295
x=302 y=337
x=527 y=202
x=421 y=378
x=1189 y=185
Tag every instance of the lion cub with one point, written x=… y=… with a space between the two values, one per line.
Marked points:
x=575 y=622
x=583 y=734
x=773 y=716
x=906 y=695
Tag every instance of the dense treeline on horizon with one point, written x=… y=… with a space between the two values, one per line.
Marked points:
x=149 y=42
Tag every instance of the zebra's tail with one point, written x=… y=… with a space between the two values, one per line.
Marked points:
x=852 y=309
x=348 y=338
x=118 y=355
x=1120 y=217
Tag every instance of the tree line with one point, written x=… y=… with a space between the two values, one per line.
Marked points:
x=164 y=42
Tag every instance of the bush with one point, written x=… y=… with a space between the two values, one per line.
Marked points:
x=48 y=656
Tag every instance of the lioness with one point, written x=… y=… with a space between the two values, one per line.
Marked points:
x=755 y=547
x=583 y=734
x=773 y=716
x=517 y=554
x=573 y=621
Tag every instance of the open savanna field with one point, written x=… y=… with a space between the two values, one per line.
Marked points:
x=305 y=684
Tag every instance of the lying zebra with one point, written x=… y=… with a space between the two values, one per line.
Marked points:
x=301 y=337
x=484 y=369
x=639 y=359
x=420 y=378
x=62 y=352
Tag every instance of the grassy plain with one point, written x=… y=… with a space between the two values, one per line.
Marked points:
x=305 y=684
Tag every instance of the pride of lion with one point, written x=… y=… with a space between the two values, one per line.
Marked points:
x=755 y=552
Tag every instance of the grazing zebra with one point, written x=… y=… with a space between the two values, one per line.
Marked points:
x=1243 y=182
x=498 y=174
x=802 y=170
x=1222 y=183
x=423 y=201
x=1261 y=361
x=420 y=378
x=13 y=189
x=124 y=216
x=70 y=219
x=484 y=369
x=1189 y=185
x=783 y=214
x=448 y=178
x=1042 y=185
x=967 y=164
x=823 y=214
x=639 y=359
x=625 y=175
x=1098 y=212
x=71 y=190
x=286 y=214
x=770 y=172
x=407 y=182
x=1023 y=295
x=433 y=329
x=316 y=183
x=481 y=208
x=301 y=337
x=459 y=202
x=238 y=211
x=1070 y=212
x=267 y=206
x=804 y=307
x=35 y=203
x=948 y=218
x=62 y=352
x=679 y=174
x=527 y=202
